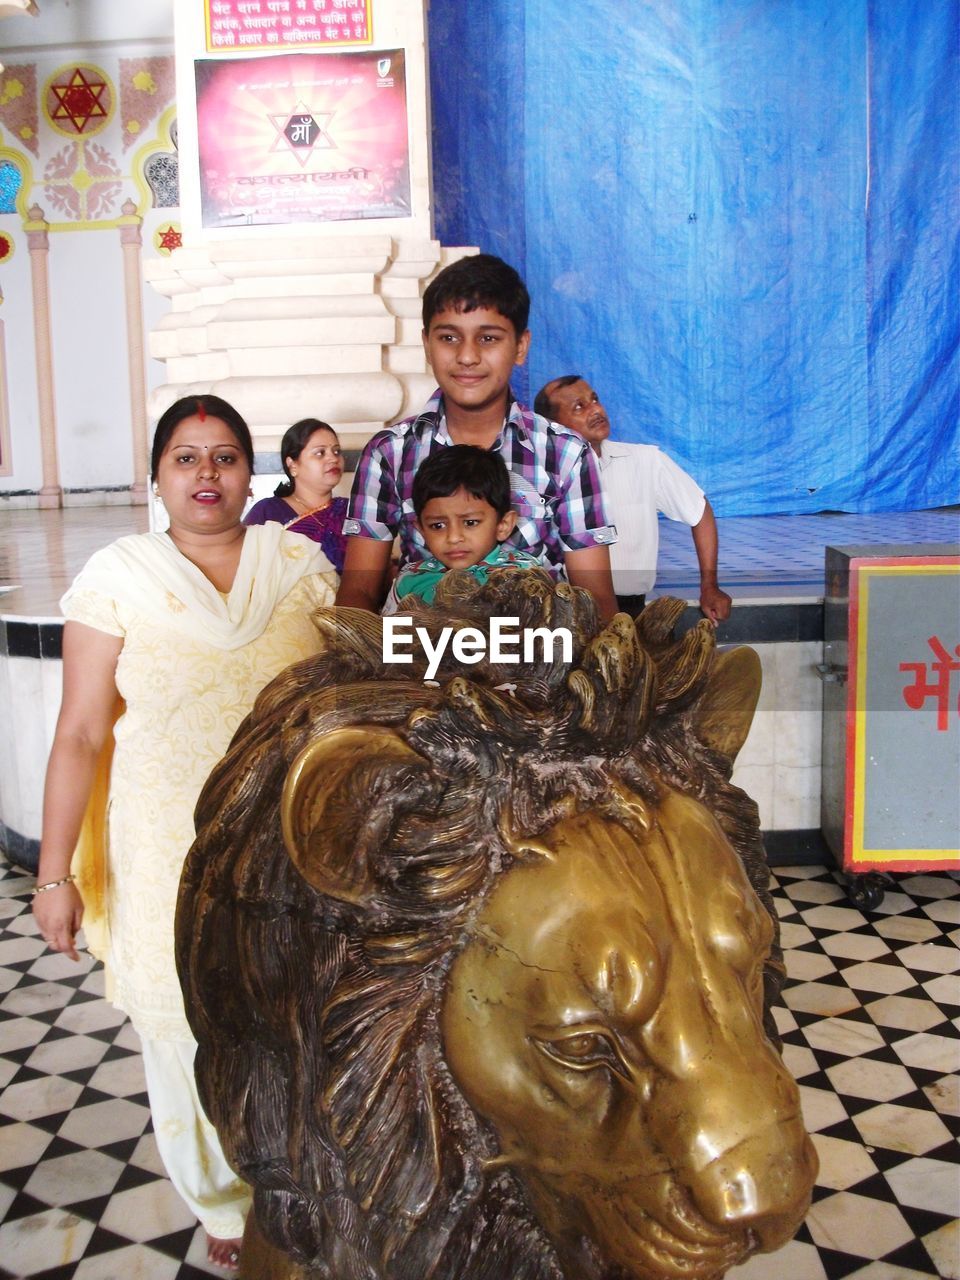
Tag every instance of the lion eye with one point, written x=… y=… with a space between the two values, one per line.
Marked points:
x=584 y=1051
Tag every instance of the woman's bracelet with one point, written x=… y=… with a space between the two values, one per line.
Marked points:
x=51 y=884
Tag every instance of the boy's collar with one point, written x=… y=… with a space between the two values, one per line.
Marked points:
x=433 y=417
x=430 y=564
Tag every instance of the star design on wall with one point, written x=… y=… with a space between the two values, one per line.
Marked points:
x=302 y=132
x=80 y=100
x=168 y=238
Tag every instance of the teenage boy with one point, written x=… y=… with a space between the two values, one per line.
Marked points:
x=639 y=480
x=475 y=333
x=461 y=499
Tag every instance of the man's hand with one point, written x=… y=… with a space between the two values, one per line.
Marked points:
x=714 y=603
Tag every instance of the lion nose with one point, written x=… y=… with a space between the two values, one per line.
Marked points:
x=764 y=1184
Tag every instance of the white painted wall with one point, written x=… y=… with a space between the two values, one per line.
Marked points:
x=85 y=266
x=79 y=24
x=90 y=359
x=17 y=314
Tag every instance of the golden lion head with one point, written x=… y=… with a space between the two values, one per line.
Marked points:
x=481 y=976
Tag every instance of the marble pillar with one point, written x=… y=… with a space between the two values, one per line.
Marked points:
x=38 y=242
x=131 y=242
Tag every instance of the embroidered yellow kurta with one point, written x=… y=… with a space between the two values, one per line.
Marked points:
x=185 y=697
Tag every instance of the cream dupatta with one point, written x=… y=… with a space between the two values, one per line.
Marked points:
x=148 y=573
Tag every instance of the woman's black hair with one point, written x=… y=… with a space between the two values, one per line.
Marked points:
x=483 y=474
x=199 y=407
x=294 y=442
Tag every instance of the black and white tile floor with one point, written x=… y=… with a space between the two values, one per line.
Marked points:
x=870 y=1023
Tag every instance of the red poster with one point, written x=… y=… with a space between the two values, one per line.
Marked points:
x=235 y=25
x=303 y=138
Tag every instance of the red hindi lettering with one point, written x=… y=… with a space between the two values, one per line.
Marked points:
x=914 y=695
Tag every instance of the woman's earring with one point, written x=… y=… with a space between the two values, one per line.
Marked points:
x=156 y=491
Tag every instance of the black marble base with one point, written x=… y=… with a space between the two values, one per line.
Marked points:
x=30 y=639
x=798 y=848
x=21 y=851
x=747 y=624
x=763 y=623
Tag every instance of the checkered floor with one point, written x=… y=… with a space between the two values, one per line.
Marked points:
x=870 y=1025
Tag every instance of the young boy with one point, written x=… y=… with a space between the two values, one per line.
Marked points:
x=461 y=499
x=475 y=333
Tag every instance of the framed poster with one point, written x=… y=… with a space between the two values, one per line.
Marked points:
x=302 y=138
x=903 y=715
x=232 y=26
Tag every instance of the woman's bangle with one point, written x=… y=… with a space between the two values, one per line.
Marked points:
x=51 y=884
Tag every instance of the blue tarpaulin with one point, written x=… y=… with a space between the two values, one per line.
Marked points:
x=737 y=218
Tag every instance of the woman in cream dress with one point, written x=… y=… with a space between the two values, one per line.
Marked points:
x=186 y=627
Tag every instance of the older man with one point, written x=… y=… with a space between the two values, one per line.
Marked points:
x=639 y=480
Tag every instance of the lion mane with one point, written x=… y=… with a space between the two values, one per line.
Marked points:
x=320 y=1060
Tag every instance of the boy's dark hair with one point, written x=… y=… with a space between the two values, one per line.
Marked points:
x=543 y=404
x=478 y=281
x=483 y=474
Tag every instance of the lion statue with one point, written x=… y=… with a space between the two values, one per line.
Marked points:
x=481 y=969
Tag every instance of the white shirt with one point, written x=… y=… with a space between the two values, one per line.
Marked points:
x=639 y=480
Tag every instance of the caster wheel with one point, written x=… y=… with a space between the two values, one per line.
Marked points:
x=866 y=891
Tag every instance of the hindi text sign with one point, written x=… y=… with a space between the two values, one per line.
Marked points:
x=235 y=26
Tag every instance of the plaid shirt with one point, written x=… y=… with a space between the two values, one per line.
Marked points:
x=554 y=484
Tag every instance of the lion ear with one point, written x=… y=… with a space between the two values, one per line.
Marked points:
x=725 y=709
x=329 y=811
